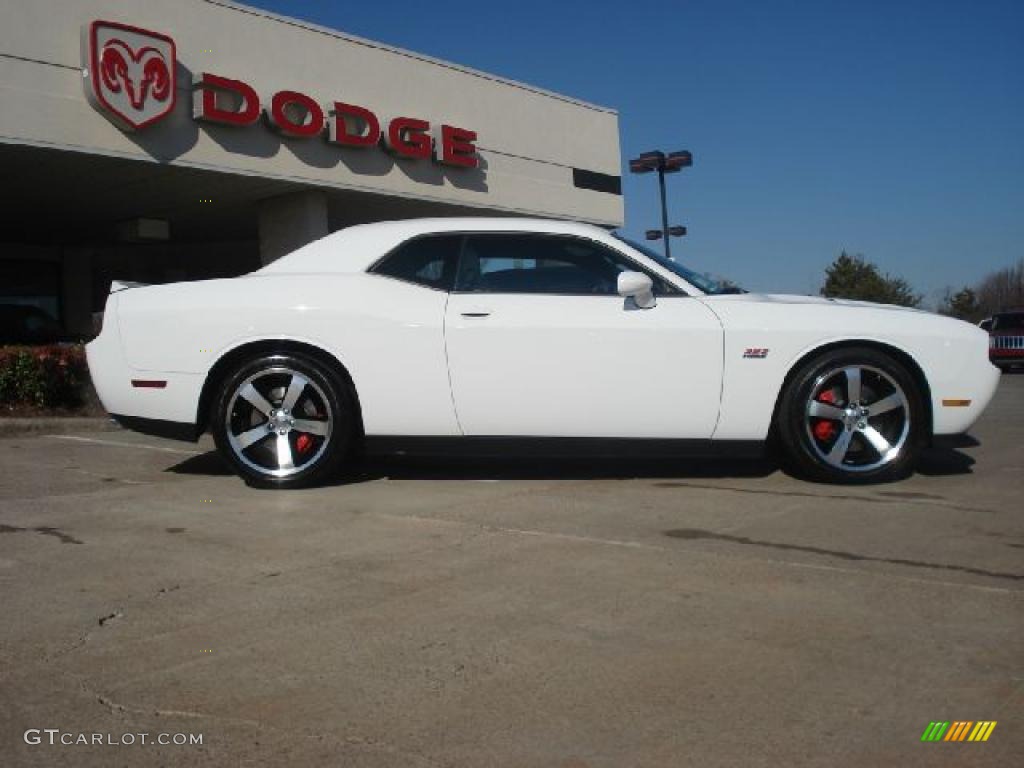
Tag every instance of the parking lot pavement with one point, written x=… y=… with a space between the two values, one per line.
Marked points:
x=563 y=615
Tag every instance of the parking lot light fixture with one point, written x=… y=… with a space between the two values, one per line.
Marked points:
x=656 y=160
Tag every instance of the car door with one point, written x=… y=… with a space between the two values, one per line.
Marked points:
x=539 y=343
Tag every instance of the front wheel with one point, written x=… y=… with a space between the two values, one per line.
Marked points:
x=852 y=416
x=283 y=421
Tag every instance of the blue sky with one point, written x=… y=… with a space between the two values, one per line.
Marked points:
x=893 y=129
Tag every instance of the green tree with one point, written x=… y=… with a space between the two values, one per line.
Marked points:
x=963 y=304
x=854 y=277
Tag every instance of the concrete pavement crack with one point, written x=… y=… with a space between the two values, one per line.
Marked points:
x=82 y=639
x=937 y=502
x=350 y=741
x=692 y=534
x=43 y=530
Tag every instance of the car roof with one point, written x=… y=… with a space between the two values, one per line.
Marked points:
x=356 y=248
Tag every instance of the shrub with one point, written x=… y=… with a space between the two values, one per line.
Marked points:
x=52 y=376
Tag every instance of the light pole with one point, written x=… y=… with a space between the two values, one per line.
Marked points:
x=662 y=163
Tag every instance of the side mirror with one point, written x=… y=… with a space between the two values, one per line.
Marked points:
x=637 y=286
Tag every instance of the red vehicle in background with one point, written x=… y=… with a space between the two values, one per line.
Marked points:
x=1006 y=338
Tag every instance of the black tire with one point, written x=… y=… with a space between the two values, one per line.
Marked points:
x=288 y=456
x=849 y=444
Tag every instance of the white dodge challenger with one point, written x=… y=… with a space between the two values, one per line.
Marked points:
x=502 y=334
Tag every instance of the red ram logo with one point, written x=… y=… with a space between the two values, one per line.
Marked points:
x=130 y=73
x=142 y=73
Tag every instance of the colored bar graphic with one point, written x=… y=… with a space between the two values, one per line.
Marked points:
x=982 y=730
x=958 y=730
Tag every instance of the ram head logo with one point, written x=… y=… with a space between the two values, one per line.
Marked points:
x=130 y=73
x=141 y=73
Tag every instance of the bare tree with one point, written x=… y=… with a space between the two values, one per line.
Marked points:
x=1002 y=290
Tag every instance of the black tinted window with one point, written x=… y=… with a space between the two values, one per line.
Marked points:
x=543 y=264
x=428 y=261
x=1013 y=321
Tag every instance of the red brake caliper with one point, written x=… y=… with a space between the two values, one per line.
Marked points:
x=304 y=442
x=824 y=429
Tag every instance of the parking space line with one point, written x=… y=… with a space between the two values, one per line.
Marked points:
x=118 y=444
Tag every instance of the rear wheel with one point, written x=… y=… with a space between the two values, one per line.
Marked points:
x=283 y=421
x=852 y=416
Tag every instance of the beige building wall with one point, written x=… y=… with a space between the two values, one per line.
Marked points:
x=529 y=140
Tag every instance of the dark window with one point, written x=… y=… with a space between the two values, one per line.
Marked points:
x=527 y=263
x=428 y=261
x=599 y=182
x=1011 y=321
x=29 y=301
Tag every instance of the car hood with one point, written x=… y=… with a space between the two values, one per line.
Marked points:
x=785 y=298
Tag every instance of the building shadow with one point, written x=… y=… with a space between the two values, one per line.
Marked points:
x=474 y=179
x=173 y=136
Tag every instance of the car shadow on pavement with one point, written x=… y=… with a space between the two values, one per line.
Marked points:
x=209 y=463
x=518 y=468
x=513 y=468
x=945 y=458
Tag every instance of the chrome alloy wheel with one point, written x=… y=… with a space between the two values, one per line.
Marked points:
x=279 y=422
x=857 y=418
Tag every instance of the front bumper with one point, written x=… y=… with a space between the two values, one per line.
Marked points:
x=1006 y=355
x=959 y=399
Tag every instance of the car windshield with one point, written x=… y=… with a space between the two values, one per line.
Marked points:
x=705 y=282
x=1009 y=322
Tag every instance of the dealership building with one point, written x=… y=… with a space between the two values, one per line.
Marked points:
x=159 y=141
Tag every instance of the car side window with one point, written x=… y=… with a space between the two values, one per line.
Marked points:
x=429 y=261
x=549 y=264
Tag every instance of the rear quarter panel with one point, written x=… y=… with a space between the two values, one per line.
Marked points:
x=388 y=334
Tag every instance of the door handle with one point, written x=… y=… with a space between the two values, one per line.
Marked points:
x=476 y=312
